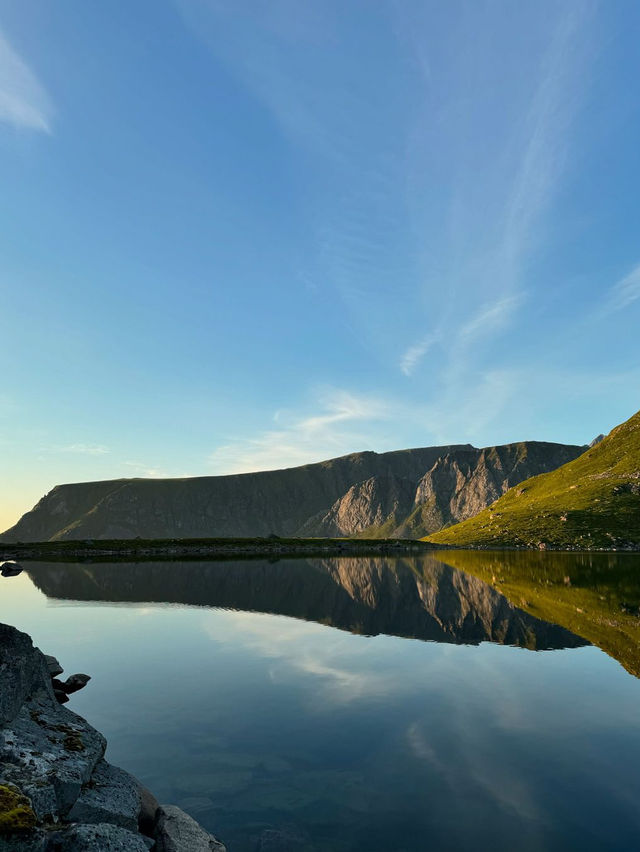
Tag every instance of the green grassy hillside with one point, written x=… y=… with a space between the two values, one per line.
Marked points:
x=592 y=502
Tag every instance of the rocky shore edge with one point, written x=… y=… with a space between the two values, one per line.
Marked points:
x=220 y=548
x=57 y=792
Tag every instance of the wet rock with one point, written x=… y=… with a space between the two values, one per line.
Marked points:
x=112 y=795
x=176 y=831
x=75 y=682
x=10 y=569
x=53 y=665
x=147 y=813
x=60 y=695
x=102 y=837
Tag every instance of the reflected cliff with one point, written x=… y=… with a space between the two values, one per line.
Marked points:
x=596 y=595
x=420 y=598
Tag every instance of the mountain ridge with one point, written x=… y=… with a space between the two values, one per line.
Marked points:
x=299 y=501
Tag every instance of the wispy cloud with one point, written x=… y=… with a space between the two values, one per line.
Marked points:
x=344 y=423
x=624 y=292
x=498 y=215
x=415 y=353
x=24 y=102
x=490 y=318
x=78 y=449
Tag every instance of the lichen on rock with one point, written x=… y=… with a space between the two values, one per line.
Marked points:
x=16 y=812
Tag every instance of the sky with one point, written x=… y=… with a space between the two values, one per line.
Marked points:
x=248 y=235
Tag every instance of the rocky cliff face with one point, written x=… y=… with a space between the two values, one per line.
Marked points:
x=460 y=484
x=379 y=502
x=406 y=494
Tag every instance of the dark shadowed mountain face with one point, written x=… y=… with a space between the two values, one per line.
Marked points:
x=421 y=599
x=407 y=494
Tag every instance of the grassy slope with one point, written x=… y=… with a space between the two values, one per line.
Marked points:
x=595 y=595
x=592 y=502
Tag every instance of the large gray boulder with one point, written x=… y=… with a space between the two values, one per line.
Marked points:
x=23 y=672
x=112 y=796
x=102 y=837
x=176 y=831
x=49 y=753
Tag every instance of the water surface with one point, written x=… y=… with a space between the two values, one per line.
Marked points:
x=363 y=704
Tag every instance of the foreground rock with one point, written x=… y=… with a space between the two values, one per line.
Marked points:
x=176 y=830
x=114 y=797
x=102 y=836
x=57 y=793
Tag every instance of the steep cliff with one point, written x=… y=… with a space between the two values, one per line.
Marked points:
x=406 y=493
x=590 y=502
x=460 y=484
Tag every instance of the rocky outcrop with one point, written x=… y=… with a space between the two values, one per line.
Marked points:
x=57 y=793
x=380 y=501
x=460 y=484
x=176 y=831
x=363 y=493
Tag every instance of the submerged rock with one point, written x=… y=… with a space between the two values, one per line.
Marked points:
x=288 y=838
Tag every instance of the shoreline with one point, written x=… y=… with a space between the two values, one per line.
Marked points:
x=215 y=548
x=57 y=791
x=255 y=548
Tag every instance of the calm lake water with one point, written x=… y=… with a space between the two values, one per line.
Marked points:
x=363 y=704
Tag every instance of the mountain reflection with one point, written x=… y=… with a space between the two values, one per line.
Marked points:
x=421 y=598
x=596 y=595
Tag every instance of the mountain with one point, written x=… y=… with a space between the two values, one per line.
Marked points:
x=407 y=493
x=591 y=502
x=417 y=598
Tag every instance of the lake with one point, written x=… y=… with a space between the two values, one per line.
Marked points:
x=454 y=702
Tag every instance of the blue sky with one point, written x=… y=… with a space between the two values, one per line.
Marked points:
x=245 y=235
